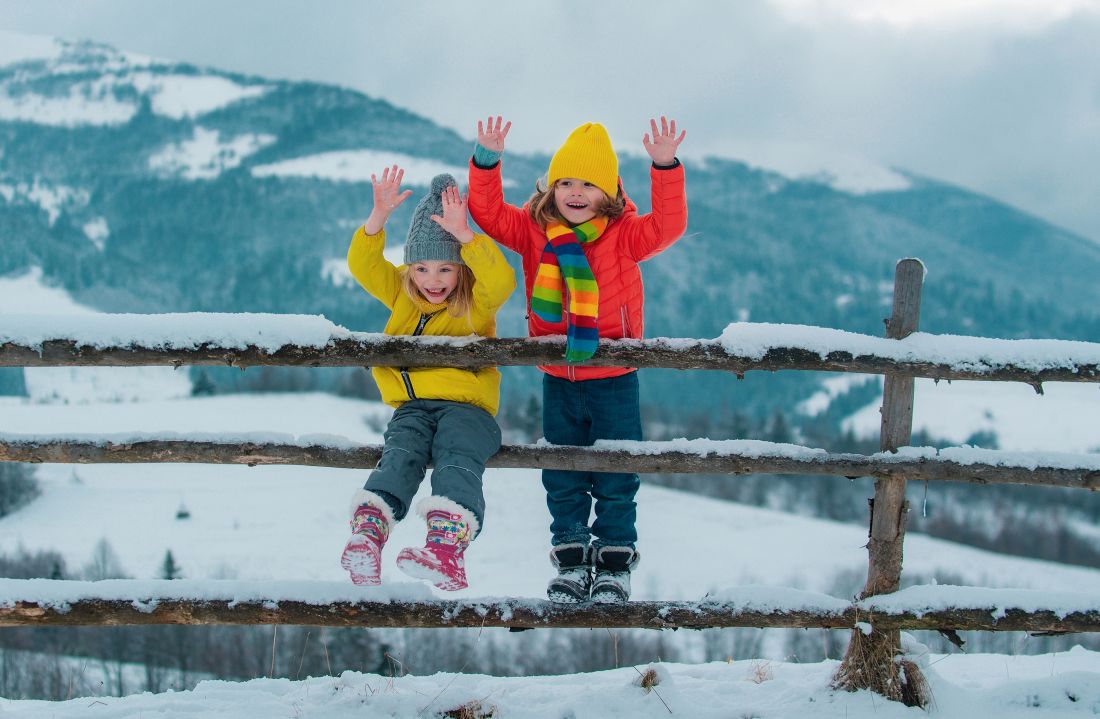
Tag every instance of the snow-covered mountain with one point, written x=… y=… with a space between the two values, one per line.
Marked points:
x=143 y=184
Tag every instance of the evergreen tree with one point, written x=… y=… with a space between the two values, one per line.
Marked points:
x=169 y=569
x=18 y=487
x=779 y=430
x=203 y=385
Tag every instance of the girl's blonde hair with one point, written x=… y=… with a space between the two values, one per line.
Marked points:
x=543 y=211
x=460 y=300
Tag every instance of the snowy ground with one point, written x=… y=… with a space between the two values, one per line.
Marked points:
x=1062 y=419
x=1019 y=687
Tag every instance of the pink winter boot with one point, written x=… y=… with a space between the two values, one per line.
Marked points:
x=370 y=528
x=440 y=561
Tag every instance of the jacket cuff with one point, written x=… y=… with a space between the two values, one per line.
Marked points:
x=674 y=165
x=475 y=246
x=361 y=234
x=484 y=157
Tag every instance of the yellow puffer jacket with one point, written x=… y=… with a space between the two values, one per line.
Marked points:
x=494 y=282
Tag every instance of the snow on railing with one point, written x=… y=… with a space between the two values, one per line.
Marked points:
x=680 y=456
x=248 y=340
x=45 y=602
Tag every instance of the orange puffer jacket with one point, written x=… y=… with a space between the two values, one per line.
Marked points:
x=614 y=256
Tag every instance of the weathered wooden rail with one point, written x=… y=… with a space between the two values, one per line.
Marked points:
x=902 y=356
x=383 y=351
x=728 y=459
x=526 y=614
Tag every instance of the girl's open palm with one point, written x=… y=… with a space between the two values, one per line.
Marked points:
x=662 y=148
x=454 y=215
x=387 y=191
x=491 y=135
x=387 y=196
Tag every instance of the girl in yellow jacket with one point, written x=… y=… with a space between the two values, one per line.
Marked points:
x=451 y=284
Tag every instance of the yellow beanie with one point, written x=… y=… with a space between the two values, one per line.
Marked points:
x=587 y=155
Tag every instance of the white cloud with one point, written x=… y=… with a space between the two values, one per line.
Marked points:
x=1019 y=16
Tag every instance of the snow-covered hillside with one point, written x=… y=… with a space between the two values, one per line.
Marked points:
x=1038 y=687
x=27 y=295
x=111 y=99
x=1062 y=419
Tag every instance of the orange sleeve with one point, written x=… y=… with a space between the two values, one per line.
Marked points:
x=507 y=224
x=647 y=235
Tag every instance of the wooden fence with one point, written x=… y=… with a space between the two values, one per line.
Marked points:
x=875 y=622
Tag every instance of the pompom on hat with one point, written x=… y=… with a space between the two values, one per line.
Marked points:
x=427 y=240
x=587 y=155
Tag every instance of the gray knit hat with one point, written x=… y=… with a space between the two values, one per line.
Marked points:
x=427 y=240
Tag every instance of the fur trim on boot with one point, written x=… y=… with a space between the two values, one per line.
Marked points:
x=427 y=504
x=574 y=581
x=371 y=521
x=613 y=567
x=365 y=496
x=451 y=528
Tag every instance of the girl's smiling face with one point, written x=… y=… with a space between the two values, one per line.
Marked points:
x=576 y=200
x=435 y=279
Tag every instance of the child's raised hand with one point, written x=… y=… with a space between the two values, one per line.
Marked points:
x=662 y=148
x=387 y=191
x=491 y=136
x=387 y=196
x=454 y=215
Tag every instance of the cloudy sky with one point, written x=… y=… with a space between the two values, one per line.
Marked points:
x=1001 y=96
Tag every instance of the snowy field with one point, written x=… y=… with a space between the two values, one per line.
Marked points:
x=1064 y=418
x=970 y=687
x=288 y=524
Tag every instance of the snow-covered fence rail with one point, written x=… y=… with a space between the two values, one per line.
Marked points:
x=292 y=340
x=41 y=602
x=726 y=457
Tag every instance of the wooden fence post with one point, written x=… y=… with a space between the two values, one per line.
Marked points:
x=871 y=659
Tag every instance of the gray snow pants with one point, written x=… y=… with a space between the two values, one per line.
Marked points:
x=457 y=437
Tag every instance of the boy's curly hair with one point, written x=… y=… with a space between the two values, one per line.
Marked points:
x=543 y=211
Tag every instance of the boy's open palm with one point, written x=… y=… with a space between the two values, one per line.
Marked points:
x=662 y=148
x=491 y=135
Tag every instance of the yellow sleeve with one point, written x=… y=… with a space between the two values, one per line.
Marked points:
x=371 y=270
x=494 y=279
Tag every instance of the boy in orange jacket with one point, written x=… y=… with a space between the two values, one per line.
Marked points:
x=581 y=240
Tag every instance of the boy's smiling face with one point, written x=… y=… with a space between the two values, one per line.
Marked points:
x=435 y=279
x=577 y=200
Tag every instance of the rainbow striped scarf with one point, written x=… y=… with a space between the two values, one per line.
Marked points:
x=563 y=265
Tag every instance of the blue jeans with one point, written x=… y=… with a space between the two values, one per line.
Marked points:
x=579 y=413
x=458 y=437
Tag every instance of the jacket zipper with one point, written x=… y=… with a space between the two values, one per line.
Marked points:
x=623 y=319
x=416 y=333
